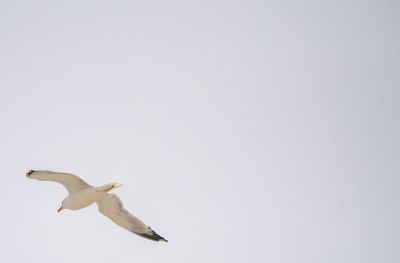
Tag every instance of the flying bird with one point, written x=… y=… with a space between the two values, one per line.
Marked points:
x=82 y=194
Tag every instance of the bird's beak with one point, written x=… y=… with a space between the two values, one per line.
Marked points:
x=59 y=209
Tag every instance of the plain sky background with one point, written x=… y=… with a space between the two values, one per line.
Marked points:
x=244 y=131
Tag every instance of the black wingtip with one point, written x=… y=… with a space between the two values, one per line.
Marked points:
x=153 y=236
x=30 y=172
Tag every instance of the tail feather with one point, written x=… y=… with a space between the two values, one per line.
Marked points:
x=109 y=187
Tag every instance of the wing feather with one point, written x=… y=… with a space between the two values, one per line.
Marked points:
x=112 y=207
x=72 y=182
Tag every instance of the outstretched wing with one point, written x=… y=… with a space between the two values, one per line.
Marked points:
x=112 y=207
x=72 y=182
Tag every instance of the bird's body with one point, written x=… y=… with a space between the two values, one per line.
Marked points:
x=81 y=195
x=83 y=198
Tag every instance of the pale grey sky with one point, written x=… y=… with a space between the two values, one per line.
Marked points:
x=244 y=131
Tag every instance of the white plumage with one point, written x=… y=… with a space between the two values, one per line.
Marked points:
x=81 y=195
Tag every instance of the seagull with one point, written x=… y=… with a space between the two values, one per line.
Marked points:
x=82 y=194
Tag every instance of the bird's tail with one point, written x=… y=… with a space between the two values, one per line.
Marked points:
x=109 y=187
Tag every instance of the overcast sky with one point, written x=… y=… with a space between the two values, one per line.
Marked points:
x=244 y=131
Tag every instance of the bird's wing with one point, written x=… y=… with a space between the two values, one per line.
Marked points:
x=112 y=207
x=72 y=182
